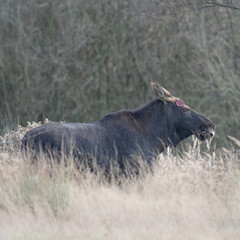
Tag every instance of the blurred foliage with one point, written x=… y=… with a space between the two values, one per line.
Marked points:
x=77 y=60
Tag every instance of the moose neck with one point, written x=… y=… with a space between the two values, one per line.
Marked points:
x=159 y=128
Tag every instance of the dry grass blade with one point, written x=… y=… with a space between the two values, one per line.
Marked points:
x=234 y=140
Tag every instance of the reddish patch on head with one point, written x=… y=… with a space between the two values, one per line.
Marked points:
x=179 y=103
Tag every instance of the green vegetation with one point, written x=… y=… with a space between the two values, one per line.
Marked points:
x=76 y=60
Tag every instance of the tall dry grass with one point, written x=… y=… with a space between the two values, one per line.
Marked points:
x=191 y=195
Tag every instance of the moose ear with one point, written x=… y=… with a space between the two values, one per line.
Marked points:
x=159 y=91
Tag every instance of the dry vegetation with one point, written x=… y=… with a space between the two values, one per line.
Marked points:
x=76 y=60
x=192 y=195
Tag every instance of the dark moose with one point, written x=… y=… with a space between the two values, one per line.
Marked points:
x=128 y=134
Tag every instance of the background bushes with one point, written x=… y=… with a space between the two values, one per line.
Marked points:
x=77 y=60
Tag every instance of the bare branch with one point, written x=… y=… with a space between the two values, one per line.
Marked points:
x=200 y=4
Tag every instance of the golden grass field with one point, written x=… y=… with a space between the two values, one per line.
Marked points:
x=193 y=195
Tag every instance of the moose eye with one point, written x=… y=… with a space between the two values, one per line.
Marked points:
x=179 y=103
x=185 y=110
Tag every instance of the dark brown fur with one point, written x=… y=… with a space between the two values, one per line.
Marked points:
x=143 y=133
